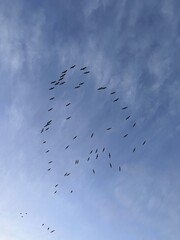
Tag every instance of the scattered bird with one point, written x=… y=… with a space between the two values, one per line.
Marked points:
x=68 y=118
x=64 y=71
x=125 y=135
x=52 y=231
x=71 y=191
x=115 y=100
x=109 y=155
x=97 y=156
x=83 y=68
x=68 y=104
x=92 y=135
x=56 y=185
x=81 y=83
x=77 y=161
x=72 y=66
x=112 y=93
x=108 y=128
x=46 y=129
x=144 y=142
x=134 y=124
x=77 y=86
x=87 y=72
x=51 y=88
x=43 y=224
x=50 y=162
x=101 y=88
x=62 y=83
x=53 y=82
x=44 y=142
x=127 y=117
x=42 y=130
x=47 y=151
x=56 y=83
x=124 y=108
x=96 y=150
x=93 y=171
x=103 y=149
x=134 y=149
x=110 y=165
x=51 y=98
x=119 y=168
x=48 y=228
x=67 y=147
x=55 y=192
x=88 y=159
x=50 y=109
x=91 y=151
x=49 y=169
x=74 y=137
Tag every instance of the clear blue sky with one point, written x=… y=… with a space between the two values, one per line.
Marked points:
x=131 y=47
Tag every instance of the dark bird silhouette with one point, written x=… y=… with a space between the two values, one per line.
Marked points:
x=115 y=100
x=134 y=124
x=101 y=88
x=62 y=75
x=72 y=66
x=125 y=135
x=83 y=68
x=91 y=151
x=134 y=149
x=62 y=83
x=119 y=168
x=43 y=224
x=48 y=228
x=64 y=71
x=52 y=231
x=56 y=185
x=68 y=174
x=51 y=98
x=50 y=109
x=97 y=156
x=77 y=161
x=109 y=155
x=71 y=191
x=81 y=83
x=74 y=137
x=103 y=149
x=112 y=93
x=92 y=135
x=77 y=87
x=42 y=130
x=127 y=117
x=47 y=151
x=68 y=104
x=110 y=165
x=50 y=162
x=46 y=129
x=49 y=169
x=93 y=171
x=96 y=150
x=124 y=108
x=53 y=82
x=108 y=128
x=51 y=88
x=88 y=159
x=144 y=142
x=55 y=192
x=68 y=118
x=87 y=72
x=44 y=142
x=67 y=147
x=56 y=83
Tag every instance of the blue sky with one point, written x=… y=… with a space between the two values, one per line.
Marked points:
x=131 y=47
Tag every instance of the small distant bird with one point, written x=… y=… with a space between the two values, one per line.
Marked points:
x=77 y=161
x=125 y=135
x=109 y=155
x=112 y=93
x=81 y=83
x=68 y=104
x=46 y=129
x=64 y=71
x=127 y=117
x=50 y=109
x=115 y=100
x=68 y=118
x=67 y=147
x=144 y=142
x=72 y=66
x=88 y=159
x=87 y=72
x=71 y=191
x=74 y=137
x=134 y=124
x=96 y=150
x=134 y=149
x=53 y=82
x=49 y=169
x=62 y=83
x=42 y=130
x=91 y=151
x=92 y=135
x=52 y=231
x=124 y=108
x=44 y=142
x=43 y=224
x=110 y=165
x=56 y=83
x=119 y=168
x=50 y=162
x=101 y=88
x=93 y=171
x=103 y=149
x=108 y=128
x=51 y=88
x=77 y=86
x=51 y=98
x=47 y=151
x=83 y=68
x=97 y=156
x=56 y=185
x=55 y=192
x=48 y=228
x=62 y=75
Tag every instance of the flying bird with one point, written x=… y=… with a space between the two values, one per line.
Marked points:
x=81 y=83
x=71 y=191
x=125 y=135
x=134 y=149
x=51 y=98
x=101 y=88
x=68 y=118
x=64 y=71
x=97 y=156
x=50 y=162
x=49 y=169
x=77 y=161
x=103 y=149
x=55 y=192
x=50 y=109
x=74 y=137
x=68 y=104
x=53 y=82
x=112 y=93
x=62 y=83
x=92 y=135
x=72 y=66
x=109 y=155
x=124 y=108
x=42 y=130
x=93 y=171
x=134 y=124
x=119 y=168
x=46 y=129
x=96 y=150
x=47 y=151
x=56 y=185
x=83 y=68
x=144 y=142
x=51 y=88
x=52 y=231
x=127 y=117
x=110 y=165
x=67 y=147
x=62 y=75
x=56 y=83
x=77 y=86
x=44 y=142
x=87 y=72
x=48 y=228
x=115 y=100
x=88 y=159
x=43 y=224
x=91 y=151
x=108 y=128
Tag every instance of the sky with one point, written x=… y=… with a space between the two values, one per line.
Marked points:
x=130 y=47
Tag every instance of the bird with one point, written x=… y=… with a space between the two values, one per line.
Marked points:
x=62 y=75
x=134 y=124
x=56 y=185
x=64 y=71
x=119 y=168
x=134 y=149
x=67 y=147
x=52 y=231
x=51 y=98
x=53 y=82
x=96 y=150
x=92 y=135
x=124 y=108
x=55 y=192
x=48 y=228
x=50 y=109
x=50 y=162
x=44 y=142
x=109 y=155
x=74 y=137
x=49 y=169
x=108 y=128
x=77 y=161
x=101 y=88
x=88 y=159
x=115 y=100
x=103 y=149
x=51 y=88
x=93 y=171
x=91 y=151
x=42 y=130
x=81 y=83
x=61 y=78
x=72 y=66
x=87 y=72
x=97 y=156
x=47 y=151
x=62 y=83
x=127 y=117
x=68 y=118
x=56 y=83
x=68 y=104
x=77 y=86
x=71 y=191
x=83 y=68
x=46 y=129
x=68 y=174
x=110 y=165
x=144 y=142
x=112 y=93
x=125 y=135
x=43 y=224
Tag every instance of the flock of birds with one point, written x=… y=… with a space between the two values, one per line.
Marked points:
x=53 y=85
